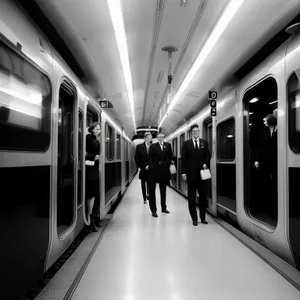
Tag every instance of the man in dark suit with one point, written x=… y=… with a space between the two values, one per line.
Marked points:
x=142 y=161
x=194 y=157
x=160 y=159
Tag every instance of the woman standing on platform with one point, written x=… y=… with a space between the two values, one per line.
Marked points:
x=92 y=169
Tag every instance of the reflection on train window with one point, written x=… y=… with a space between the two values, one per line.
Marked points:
x=260 y=152
x=226 y=169
x=91 y=116
x=174 y=147
x=109 y=142
x=189 y=134
x=294 y=112
x=25 y=104
x=207 y=133
x=226 y=140
x=181 y=141
x=118 y=146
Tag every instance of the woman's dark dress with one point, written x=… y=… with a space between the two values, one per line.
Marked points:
x=92 y=172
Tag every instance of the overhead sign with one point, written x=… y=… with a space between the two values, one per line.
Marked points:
x=213 y=112
x=103 y=104
x=212 y=95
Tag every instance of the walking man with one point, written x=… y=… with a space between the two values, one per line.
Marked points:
x=194 y=157
x=142 y=161
x=160 y=159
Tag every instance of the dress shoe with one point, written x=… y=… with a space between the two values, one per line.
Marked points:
x=92 y=227
x=96 y=221
x=204 y=222
x=165 y=211
x=154 y=215
x=195 y=223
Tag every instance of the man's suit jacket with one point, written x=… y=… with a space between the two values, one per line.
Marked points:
x=192 y=160
x=267 y=154
x=142 y=160
x=159 y=162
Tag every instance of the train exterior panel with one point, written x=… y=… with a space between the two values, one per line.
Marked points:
x=43 y=126
x=271 y=219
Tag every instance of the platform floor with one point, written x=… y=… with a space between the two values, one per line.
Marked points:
x=167 y=258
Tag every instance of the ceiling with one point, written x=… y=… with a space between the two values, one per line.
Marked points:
x=150 y=25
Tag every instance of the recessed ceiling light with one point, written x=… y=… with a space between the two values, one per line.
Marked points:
x=254 y=100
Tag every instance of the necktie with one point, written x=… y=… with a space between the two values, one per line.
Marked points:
x=196 y=145
x=162 y=146
x=147 y=146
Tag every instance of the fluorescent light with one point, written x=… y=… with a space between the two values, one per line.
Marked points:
x=115 y=11
x=146 y=129
x=254 y=100
x=251 y=112
x=250 y=124
x=230 y=136
x=273 y=102
x=228 y=14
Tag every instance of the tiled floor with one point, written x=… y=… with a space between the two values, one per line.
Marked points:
x=146 y=258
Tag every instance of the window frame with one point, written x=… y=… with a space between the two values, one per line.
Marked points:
x=111 y=142
x=291 y=128
x=48 y=119
x=221 y=160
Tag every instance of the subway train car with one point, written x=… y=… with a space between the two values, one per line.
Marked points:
x=44 y=114
x=238 y=192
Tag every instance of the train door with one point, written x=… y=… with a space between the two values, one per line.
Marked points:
x=226 y=167
x=67 y=155
x=92 y=115
x=181 y=182
x=208 y=136
x=293 y=159
x=127 y=163
x=174 y=149
x=260 y=152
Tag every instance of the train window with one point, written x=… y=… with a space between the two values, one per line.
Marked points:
x=118 y=146
x=174 y=147
x=80 y=157
x=207 y=133
x=260 y=152
x=65 y=158
x=226 y=140
x=189 y=134
x=294 y=112
x=25 y=104
x=91 y=116
x=109 y=142
x=181 y=140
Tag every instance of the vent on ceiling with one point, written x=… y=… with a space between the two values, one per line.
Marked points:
x=160 y=76
x=117 y=96
x=193 y=94
x=184 y=3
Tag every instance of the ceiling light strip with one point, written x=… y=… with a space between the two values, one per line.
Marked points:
x=228 y=14
x=115 y=11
